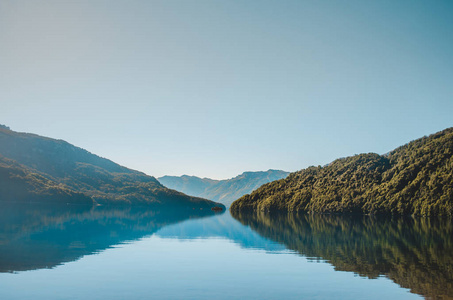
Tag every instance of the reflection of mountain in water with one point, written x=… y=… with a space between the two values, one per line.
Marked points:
x=415 y=253
x=42 y=236
x=220 y=226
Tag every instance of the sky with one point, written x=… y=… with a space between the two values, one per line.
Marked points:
x=215 y=88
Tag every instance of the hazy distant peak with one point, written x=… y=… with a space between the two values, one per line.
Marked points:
x=270 y=171
x=224 y=191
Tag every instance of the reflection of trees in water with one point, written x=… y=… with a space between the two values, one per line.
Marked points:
x=44 y=236
x=416 y=253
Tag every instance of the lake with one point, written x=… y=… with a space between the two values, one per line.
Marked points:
x=82 y=252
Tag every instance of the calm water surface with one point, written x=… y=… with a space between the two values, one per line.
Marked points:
x=138 y=253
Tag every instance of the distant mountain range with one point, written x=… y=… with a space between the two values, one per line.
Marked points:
x=223 y=191
x=416 y=178
x=40 y=169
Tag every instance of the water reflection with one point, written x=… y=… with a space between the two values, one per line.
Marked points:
x=222 y=226
x=415 y=253
x=36 y=236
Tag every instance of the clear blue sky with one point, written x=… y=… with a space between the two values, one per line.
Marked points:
x=215 y=88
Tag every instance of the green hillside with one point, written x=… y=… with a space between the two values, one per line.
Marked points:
x=416 y=178
x=35 y=168
x=20 y=184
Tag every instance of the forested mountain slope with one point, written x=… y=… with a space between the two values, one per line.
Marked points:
x=20 y=184
x=416 y=178
x=33 y=167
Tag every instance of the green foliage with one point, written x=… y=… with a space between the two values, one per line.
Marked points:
x=416 y=178
x=20 y=184
x=45 y=167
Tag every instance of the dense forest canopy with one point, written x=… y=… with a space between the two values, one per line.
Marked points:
x=416 y=178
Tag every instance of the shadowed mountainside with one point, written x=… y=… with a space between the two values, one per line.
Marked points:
x=20 y=184
x=223 y=191
x=36 y=168
x=416 y=253
x=416 y=178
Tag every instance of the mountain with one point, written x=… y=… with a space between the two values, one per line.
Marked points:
x=20 y=184
x=40 y=169
x=224 y=191
x=190 y=185
x=416 y=178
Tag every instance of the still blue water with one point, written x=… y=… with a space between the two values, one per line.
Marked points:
x=100 y=253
